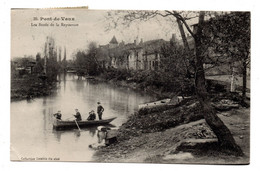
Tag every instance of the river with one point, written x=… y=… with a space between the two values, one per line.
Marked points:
x=32 y=135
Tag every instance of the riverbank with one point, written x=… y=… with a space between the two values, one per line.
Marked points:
x=178 y=134
x=29 y=87
x=158 y=92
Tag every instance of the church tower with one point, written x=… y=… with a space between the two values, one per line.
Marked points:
x=113 y=43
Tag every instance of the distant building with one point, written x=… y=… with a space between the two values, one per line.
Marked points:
x=134 y=56
x=113 y=43
x=152 y=54
x=26 y=64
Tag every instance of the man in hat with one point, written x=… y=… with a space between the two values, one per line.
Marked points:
x=58 y=115
x=100 y=110
x=78 y=115
x=92 y=116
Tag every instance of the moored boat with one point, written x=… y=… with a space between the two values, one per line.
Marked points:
x=59 y=124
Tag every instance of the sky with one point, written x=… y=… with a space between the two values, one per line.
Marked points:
x=29 y=40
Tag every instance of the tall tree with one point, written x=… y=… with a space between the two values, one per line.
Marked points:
x=86 y=62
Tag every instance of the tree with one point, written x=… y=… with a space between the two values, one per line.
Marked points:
x=173 y=62
x=80 y=62
x=86 y=61
x=50 y=65
x=223 y=134
x=231 y=39
x=39 y=64
x=92 y=63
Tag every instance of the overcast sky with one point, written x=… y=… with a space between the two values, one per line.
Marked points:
x=28 y=40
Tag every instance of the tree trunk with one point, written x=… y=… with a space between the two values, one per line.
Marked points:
x=185 y=42
x=244 y=80
x=232 y=84
x=187 y=51
x=223 y=134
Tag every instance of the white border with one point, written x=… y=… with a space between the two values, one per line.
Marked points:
x=6 y=5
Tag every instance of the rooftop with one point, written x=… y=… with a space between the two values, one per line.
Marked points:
x=113 y=40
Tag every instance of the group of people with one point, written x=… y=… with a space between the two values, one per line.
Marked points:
x=92 y=115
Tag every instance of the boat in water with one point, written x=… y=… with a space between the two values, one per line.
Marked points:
x=60 y=124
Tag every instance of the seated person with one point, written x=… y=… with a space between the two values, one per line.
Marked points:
x=58 y=115
x=92 y=116
x=78 y=115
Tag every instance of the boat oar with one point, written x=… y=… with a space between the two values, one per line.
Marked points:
x=77 y=125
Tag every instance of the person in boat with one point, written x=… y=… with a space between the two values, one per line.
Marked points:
x=92 y=116
x=100 y=110
x=58 y=115
x=78 y=115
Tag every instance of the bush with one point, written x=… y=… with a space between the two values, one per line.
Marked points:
x=156 y=80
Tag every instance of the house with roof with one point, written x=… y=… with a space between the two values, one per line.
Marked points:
x=26 y=64
x=113 y=54
x=152 y=54
x=134 y=56
x=106 y=53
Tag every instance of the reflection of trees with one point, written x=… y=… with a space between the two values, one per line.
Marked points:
x=57 y=134
x=79 y=85
x=64 y=80
x=101 y=136
x=114 y=98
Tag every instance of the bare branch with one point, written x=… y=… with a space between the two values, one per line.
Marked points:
x=178 y=16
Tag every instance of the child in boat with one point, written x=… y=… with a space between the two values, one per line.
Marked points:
x=58 y=115
x=92 y=116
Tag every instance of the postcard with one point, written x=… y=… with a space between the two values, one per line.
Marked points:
x=130 y=86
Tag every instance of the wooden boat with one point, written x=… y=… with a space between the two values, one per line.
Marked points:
x=59 y=124
x=153 y=104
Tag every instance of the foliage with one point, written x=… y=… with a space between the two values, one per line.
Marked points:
x=174 y=61
x=86 y=62
x=38 y=68
x=227 y=37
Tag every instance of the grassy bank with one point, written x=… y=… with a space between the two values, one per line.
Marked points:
x=29 y=87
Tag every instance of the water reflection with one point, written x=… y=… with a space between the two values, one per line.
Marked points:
x=31 y=122
x=77 y=135
x=57 y=134
x=92 y=131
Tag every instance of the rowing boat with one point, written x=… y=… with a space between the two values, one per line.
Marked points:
x=59 y=124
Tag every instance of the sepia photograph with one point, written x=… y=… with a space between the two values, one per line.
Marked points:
x=130 y=86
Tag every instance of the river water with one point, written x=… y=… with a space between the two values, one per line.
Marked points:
x=32 y=135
